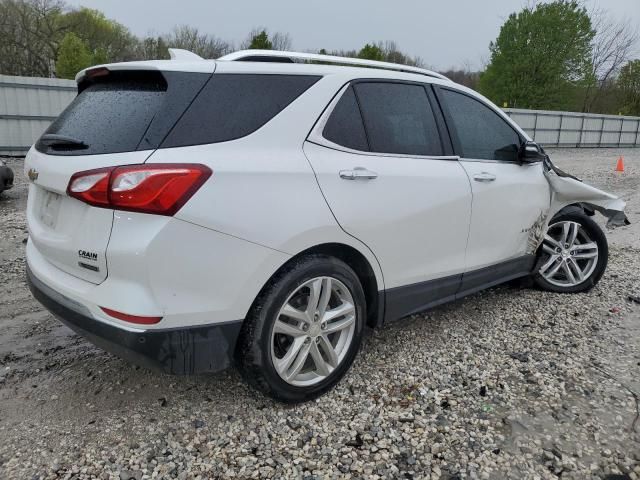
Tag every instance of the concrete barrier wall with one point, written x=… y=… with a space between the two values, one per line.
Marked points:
x=570 y=129
x=28 y=105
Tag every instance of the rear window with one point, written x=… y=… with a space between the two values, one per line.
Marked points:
x=398 y=118
x=232 y=106
x=123 y=112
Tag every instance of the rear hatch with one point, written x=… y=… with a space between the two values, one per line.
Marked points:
x=118 y=118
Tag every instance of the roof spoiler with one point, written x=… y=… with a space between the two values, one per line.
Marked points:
x=181 y=54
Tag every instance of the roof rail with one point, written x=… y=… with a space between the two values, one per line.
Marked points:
x=275 y=55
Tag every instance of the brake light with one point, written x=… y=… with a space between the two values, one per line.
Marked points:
x=131 y=318
x=160 y=189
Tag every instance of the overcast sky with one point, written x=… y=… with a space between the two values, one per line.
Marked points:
x=444 y=33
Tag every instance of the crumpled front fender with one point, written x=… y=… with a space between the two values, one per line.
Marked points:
x=568 y=190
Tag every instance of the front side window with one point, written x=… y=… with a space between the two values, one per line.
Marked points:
x=398 y=118
x=482 y=133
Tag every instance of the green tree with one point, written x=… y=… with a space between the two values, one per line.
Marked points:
x=33 y=31
x=371 y=52
x=30 y=33
x=612 y=47
x=629 y=86
x=107 y=40
x=73 y=56
x=540 y=56
x=260 y=41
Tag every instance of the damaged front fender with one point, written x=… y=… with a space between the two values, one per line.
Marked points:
x=568 y=190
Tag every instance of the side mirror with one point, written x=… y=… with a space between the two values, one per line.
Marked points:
x=531 y=152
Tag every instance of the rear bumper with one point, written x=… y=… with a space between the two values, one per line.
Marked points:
x=189 y=350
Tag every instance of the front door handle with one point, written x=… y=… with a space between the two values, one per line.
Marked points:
x=484 y=177
x=358 y=173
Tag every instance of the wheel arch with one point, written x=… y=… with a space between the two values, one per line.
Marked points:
x=373 y=289
x=576 y=207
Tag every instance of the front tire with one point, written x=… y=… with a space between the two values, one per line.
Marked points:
x=573 y=255
x=304 y=330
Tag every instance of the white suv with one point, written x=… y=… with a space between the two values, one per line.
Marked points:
x=263 y=208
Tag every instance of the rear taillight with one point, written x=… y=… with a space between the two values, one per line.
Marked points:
x=91 y=186
x=160 y=189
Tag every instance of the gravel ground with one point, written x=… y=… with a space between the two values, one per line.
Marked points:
x=509 y=383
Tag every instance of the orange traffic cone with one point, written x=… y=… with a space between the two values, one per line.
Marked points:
x=620 y=165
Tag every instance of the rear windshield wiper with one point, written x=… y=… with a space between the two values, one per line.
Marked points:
x=53 y=140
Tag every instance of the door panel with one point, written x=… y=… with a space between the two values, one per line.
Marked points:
x=504 y=209
x=509 y=198
x=414 y=216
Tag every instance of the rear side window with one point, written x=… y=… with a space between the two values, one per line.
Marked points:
x=398 y=118
x=123 y=112
x=482 y=133
x=345 y=126
x=232 y=106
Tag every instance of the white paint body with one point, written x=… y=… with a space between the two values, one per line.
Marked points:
x=274 y=194
x=397 y=214
x=503 y=210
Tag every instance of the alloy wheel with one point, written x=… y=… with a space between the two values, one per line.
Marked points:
x=571 y=255
x=313 y=331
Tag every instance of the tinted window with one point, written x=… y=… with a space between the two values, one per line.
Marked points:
x=124 y=111
x=345 y=126
x=481 y=131
x=398 y=119
x=234 y=105
x=109 y=117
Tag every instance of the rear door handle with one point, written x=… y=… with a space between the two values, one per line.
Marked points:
x=484 y=177
x=358 y=173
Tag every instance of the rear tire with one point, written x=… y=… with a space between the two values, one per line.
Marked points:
x=304 y=330
x=573 y=256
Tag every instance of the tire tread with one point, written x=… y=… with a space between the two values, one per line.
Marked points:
x=596 y=233
x=250 y=356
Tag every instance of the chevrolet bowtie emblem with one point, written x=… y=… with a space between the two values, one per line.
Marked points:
x=32 y=174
